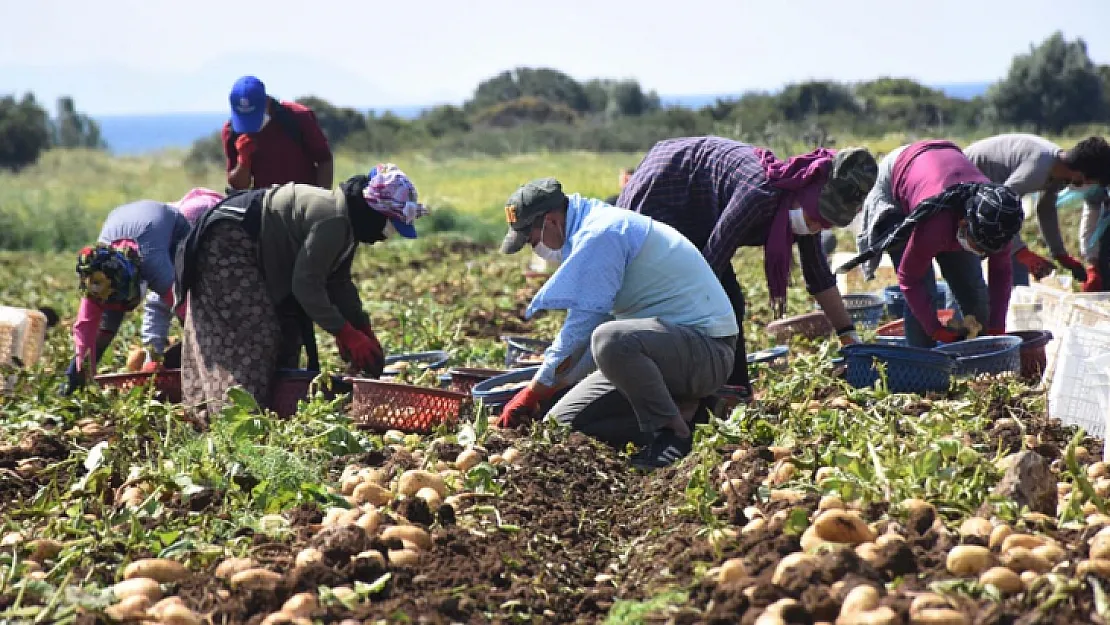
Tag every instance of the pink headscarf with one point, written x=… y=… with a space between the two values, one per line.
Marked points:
x=196 y=203
x=802 y=177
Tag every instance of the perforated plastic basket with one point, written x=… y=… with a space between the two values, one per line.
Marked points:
x=898 y=326
x=908 y=369
x=986 y=354
x=518 y=349
x=380 y=406
x=1080 y=389
x=483 y=391
x=422 y=360
x=810 y=325
x=865 y=309
x=167 y=383
x=292 y=385
x=1033 y=356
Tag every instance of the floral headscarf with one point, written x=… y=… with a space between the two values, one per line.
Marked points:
x=391 y=193
x=109 y=274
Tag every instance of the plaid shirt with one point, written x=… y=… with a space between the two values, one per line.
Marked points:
x=715 y=192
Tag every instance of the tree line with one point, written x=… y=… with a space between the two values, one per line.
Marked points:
x=1052 y=87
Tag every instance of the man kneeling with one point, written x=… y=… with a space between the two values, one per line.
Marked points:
x=642 y=304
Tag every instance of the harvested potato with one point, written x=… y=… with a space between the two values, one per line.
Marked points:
x=754 y=525
x=307 y=556
x=11 y=539
x=1051 y=552
x=842 y=526
x=935 y=616
x=255 y=579
x=370 y=521
x=160 y=570
x=178 y=615
x=721 y=537
x=511 y=455
x=132 y=608
x=372 y=554
x=966 y=560
x=408 y=534
x=790 y=564
x=928 y=601
x=413 y=480
x=231 y=566
x=1028 y=541
x=158 y=609
x=431 y=497
x=879 y=616
x=860 y=599
x=781 y=473
x=787 y=495
x=1003 y=579
x=404 y=557
x=731 y=571
x=369 y=492
x=1100 y=568
x=1099 y=545
x=139 y=586
x=468 y=459
x=1023 y=559
x=870 y=553
x=976 y=527
x=830 y=502
x=301 y=604
x=998 y=535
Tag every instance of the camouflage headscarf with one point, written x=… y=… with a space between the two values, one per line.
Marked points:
x=851 y=177
x=109 y=274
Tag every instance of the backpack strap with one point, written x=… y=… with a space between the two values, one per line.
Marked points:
x=284 y=117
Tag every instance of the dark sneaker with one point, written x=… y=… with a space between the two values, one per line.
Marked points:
x=665 y=449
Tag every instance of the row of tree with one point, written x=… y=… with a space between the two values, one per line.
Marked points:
x=1054 y=86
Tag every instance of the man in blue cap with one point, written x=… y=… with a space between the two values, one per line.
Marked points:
x=269 y=142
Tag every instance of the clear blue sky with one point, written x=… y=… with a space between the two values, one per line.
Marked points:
x=137 y=56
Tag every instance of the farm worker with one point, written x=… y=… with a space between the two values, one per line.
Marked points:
x=623 y=176
x=1094 y=245
x=930 y=202
x=723 y=194
x=265 y=264
x=1027 y=164
x=134 y=250
x=642 y=304
x=269 y=142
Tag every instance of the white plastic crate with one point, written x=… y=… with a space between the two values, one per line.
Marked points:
x=1080 y=390
x=22 y=333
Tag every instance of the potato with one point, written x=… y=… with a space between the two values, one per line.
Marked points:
x=496 y=459
x=369 y=492
x=860 y=599
x=879 y=616
x=916 y=505
x=1097 y=470
x=1003 y=579
x=935 y=616
x=1022 y=540
x=824 y=473
x=888 y=538
x=431 y=497
x=301 y=604
x=132 y=608
x=731 y=571
x=139 y=586
x=331 y=516
x=158 y=609
x=350 y=515
x=468 y=459
x=781 y=473
x=370 y=521
x=1098 y=520
x=11 y=539
x=231 y=566
x=404 y=557
x=43 y=549
x=1023 y=559
x=810 y=541
x=769 y=618
x=307 y=556
x=830 y=502
x=255 y=579
x=721 y=537
x=372 y=554
x=928 y=601
x=159 y=569
x=790 y=564
x=1028 y=577
x=998 y=535
x=511 y=456
x=787 y=495
x=869 y=553
x=966 y=560
x=408 y=534
x=1099 y=568
x=842 y=526
x=413 y=480
x=179 y=615
x=1051 y=552
x=1099 y=545
x=754 y=525
x=780 y=453
x=347 y=484
x=976 y=527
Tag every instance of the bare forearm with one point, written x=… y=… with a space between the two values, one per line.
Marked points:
x=833 y=306
x=240 y=177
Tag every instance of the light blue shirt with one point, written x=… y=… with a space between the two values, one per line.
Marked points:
x=618 y=264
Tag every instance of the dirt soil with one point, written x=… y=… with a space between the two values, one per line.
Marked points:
x=581 y=530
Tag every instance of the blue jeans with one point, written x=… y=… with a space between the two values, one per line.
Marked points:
x=964 y=275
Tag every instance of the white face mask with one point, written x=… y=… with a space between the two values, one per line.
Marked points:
x=389 y=230
x=265 y=120
x=798 y=223
x=546 y=253
x=961 y=236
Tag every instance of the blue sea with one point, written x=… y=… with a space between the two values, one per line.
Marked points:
x=129 y=135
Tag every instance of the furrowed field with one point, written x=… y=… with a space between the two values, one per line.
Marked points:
x=818 y=503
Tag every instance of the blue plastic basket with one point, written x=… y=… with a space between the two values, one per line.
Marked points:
x=986 y=354
x=866 y=309
x=423 y=360
x=496 y=399
x=518 y=347
x=908 y=369
x=768 y=355
x=896 y=302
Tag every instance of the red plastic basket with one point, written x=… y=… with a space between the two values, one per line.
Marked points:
x=167 y=383
x=463 y=379
x=898 y=326
x=293 y=385
x=810 y=325
x=380 y=406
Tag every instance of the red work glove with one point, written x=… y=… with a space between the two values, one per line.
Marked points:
x=378 y=364
x=522 y=407
x=151 y=366
x=1093 y=284
x=356 y=347
x=1038 y=265
x=245 y=147
x=944 y=335
x=1078 y=273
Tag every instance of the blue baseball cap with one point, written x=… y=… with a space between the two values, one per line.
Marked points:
x=248 y=104
x=406 y=230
